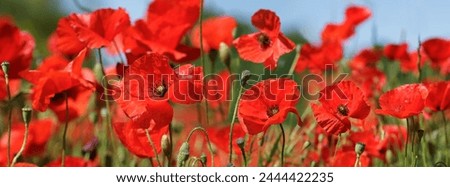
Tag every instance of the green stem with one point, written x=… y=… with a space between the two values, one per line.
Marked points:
x=63 y=151
x=108 y=107
x=419 y=59
x=22 y=148
x=447 y=154
x=282 y=145
x=337 y=145
x=171 y=144
x=244 y=157
x=118 y=52
x=408 y=134
x=8 y=90
x=294 y=62
x=155 y=152
x=202 y=58
x=233 y=119
x=358 y=161
x=207 y=140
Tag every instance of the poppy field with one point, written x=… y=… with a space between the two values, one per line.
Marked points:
x=186 y=87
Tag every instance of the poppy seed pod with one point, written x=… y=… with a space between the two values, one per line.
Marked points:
x=5 y=67
x=165 y=145
x=26 y=115
x=224 y=53
x=240 y=142
x=245 y=76
x=359 y=148
x=183 y=154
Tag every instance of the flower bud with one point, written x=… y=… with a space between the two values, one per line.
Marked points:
x=203 y=159
x=224 y=53
x=420 y=133
x=245 y=76
x=240 y=142
x=165 y=145
x=5 y=68
x=306 y=145
x=183 y=154
x=359 y=148
x=26 y=115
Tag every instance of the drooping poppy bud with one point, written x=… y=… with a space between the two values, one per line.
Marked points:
x=203 y=159
x=183 y=154
x=224 y=53
x=306 y=145
x=245 y=76
x=165 y=145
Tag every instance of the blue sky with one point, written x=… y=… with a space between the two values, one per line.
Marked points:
x=394 y=20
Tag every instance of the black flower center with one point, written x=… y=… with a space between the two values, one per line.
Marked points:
x=272 y=111
x=343 y=110
x=160 y=90
x=264 y=40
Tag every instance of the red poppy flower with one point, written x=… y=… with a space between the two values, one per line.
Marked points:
x=404 y=101
x=166 y=24
x=354 y=15
x=39 y=133
x=357 y=14
x=438 y=98
x=17 y=48
x=437 y=49
x=134 y=138
x=66 y=39
x=78 y=100
x=53 y=77
x=267 y=103
x=318 y=58
x=339 y=102
x=365 y=59
x=268 y=44
x=71 y=161
x=216 y=30
x=100 y=28
x=144 y=88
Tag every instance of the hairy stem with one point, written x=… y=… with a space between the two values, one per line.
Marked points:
x=155 y=152
x=233 y=119
x=63 y=151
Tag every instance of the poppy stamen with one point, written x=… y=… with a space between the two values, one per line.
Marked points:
x=343 y=110
x=272 y=111
x=160 y=90
x=264 y=40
